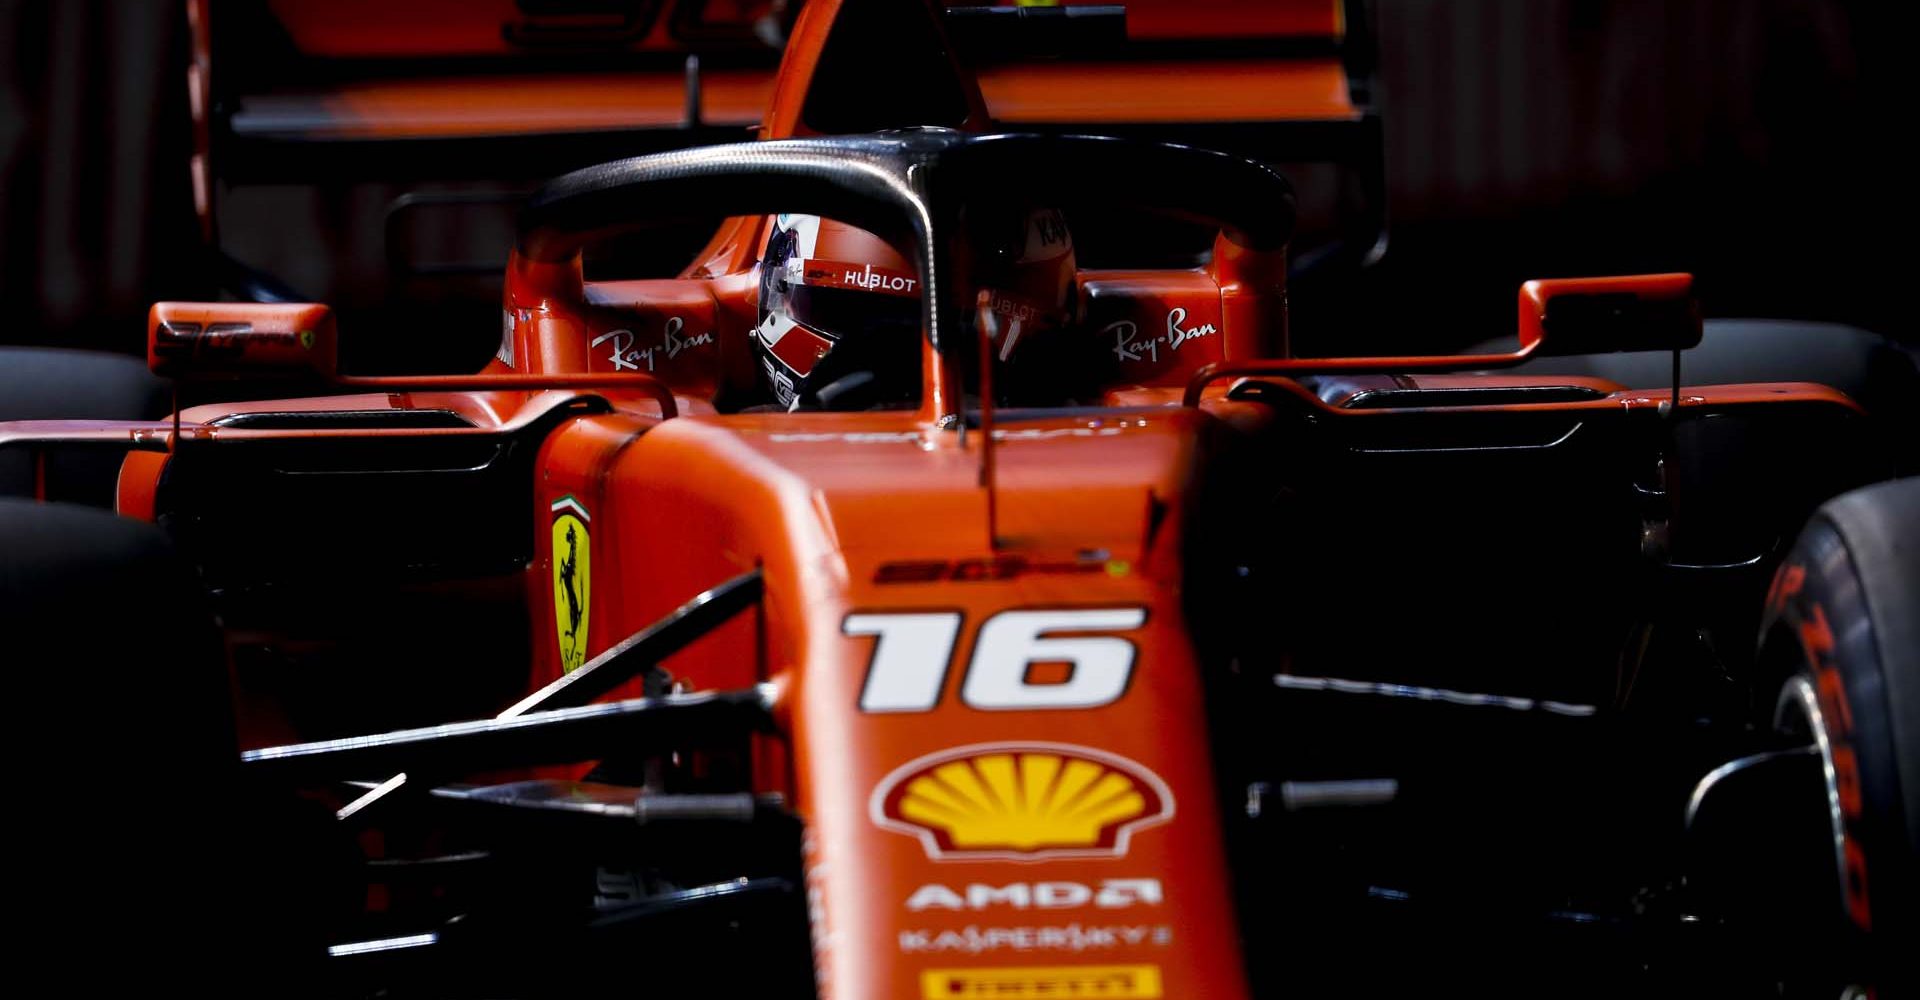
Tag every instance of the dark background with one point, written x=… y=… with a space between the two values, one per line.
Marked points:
x=1749 y=141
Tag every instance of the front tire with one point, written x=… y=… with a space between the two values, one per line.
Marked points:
x=1841 y=641
x=54 y=383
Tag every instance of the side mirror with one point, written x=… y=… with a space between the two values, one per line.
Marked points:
x=232 y=340
x=1634 y=312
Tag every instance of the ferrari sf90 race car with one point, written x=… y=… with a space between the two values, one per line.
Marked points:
x=889 y=606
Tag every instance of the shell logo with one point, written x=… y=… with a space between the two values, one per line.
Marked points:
x=1021 y=802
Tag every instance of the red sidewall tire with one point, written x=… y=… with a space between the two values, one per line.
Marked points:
x=1843 y=613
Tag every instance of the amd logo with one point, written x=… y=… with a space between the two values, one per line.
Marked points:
x=1109 y=894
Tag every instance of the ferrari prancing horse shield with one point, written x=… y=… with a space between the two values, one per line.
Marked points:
x=571 y=572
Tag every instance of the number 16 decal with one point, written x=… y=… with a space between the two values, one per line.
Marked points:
x=911 y=651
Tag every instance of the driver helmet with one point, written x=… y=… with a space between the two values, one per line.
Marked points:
x=824 y=284
x=838 y=301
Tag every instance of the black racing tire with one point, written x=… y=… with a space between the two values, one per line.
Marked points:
x=52 y=383
x=1840 y=641
x=113 y=667
x=101 y=614
x=138 y=854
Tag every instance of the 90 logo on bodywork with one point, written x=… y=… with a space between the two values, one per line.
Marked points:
x=912 y=650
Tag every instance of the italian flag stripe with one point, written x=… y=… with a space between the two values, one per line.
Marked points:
x=568 y=502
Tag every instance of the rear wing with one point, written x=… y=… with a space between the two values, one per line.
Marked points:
x=293 y=91
x=427 y=122
x=1185 y=62
x=1289 y=83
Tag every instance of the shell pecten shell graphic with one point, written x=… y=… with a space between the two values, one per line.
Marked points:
x=1022 y=801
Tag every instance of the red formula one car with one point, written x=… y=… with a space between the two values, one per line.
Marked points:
x=888 y=607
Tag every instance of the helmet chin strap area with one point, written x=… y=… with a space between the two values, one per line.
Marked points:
x=1013 y=337
x=1019 y=314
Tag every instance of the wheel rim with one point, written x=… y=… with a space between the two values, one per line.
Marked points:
x=1798 y=713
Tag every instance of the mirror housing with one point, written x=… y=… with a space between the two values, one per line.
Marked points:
x=1634 y=312
x=235 y=340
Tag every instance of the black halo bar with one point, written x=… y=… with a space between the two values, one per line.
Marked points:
x=637 y=725
x=633 y=655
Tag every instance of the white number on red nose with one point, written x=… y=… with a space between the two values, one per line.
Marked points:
x=910 y=655
x=911 y=652
x=1011 y=642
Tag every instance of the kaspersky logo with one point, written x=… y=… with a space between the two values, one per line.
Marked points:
x=1021 y=802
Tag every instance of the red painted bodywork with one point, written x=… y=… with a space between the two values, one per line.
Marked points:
x=681 y=497
x=1648 y=288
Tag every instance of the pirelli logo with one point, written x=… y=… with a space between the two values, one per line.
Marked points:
x=1052 y=982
